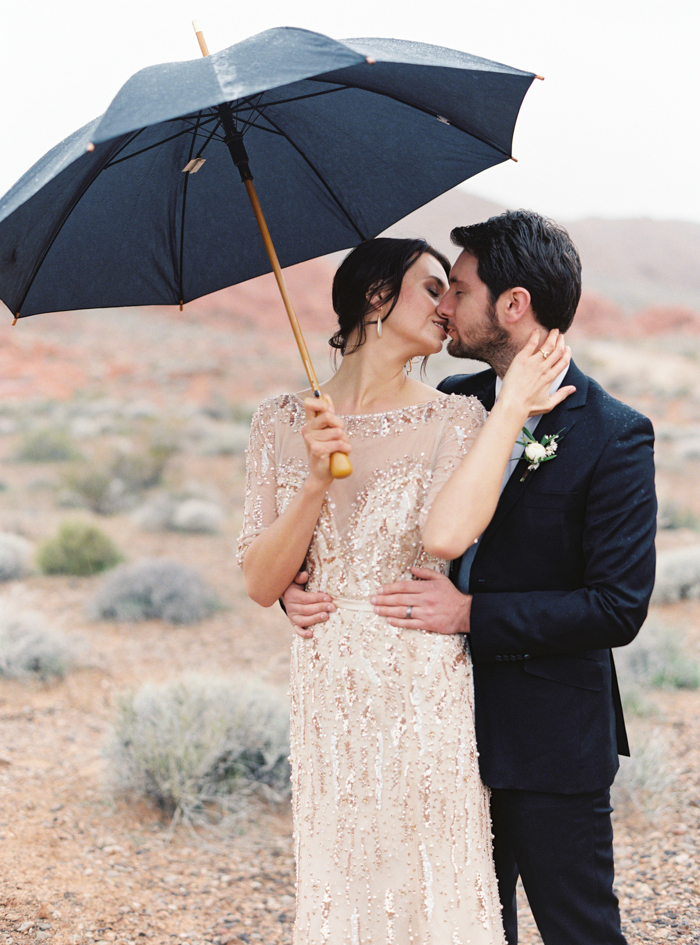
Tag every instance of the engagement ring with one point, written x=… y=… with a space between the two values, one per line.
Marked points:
x=545 y=354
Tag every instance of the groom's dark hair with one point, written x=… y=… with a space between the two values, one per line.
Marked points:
x=522 y=248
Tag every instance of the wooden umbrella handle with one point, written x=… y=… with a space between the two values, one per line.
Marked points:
x=340 y=464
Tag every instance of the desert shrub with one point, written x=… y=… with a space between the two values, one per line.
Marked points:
x=47 y=445
x=142 y=470
x=16 y=554
x=199 y=516
x=199 y=746
x=93 y=489
x=655 y=659
x=677 y=575
x=28 y=649
x=155 y=514
x=672 y=516
x=155 y=589
x=79 y=548
x=165 y=512
x=645 y=780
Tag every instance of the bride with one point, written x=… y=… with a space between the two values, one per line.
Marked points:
x=391 y=819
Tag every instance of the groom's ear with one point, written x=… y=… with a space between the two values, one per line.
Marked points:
x=513 y=304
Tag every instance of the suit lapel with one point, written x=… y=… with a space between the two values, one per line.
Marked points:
x=560 y=420
x=486 y=392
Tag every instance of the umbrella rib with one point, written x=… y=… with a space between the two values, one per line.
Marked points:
x=60 y=223
x=157 y=144
x=296 y=98
x=126 y=144
x=427 y=111
x=320 y=177
x=184 y=205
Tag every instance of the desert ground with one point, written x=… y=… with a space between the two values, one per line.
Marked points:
x=82 y=862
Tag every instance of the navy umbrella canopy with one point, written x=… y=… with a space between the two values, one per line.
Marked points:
x=343 y=138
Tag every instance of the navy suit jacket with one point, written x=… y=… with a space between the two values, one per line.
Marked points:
x=563 y=573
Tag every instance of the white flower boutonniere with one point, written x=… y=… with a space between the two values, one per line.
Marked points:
x=538 y=451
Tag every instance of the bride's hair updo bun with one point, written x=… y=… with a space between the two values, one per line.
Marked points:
x=374 y=269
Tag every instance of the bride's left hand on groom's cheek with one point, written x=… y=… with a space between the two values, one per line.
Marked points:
x=436 y=606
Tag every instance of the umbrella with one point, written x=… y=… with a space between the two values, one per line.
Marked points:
x=343 y=139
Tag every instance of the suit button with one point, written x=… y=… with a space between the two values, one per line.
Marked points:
x=499 y=658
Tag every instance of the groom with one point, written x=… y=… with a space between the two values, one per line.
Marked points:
x=563 y=573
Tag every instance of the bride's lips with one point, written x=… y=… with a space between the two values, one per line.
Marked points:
x=442 y=325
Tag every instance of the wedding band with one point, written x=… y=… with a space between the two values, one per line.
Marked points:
x=409 y=611
x=545 y=354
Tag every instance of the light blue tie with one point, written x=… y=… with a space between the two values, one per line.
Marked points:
x=465 y=565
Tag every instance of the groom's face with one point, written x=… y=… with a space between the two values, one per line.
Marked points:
x=472 y=319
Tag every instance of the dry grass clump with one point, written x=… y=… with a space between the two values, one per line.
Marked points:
x=16 y=556
x=94 y=489
x=677 y=575
x=28 y=649
x=199 y=746
x=672 y=517
x=138 y=471
x=645 y=780
x=78 y=548
x=47 y=445
x=187 y=514
x=655 y=659
x=155 y=589
x=115 y=484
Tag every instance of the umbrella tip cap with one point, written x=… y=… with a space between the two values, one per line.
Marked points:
x=370 y=61
x=90 y=146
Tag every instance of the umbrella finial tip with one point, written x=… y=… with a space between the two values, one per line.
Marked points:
x=90 y=146
x=370 y=61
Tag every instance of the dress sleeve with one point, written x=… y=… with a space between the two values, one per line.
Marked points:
x=260 y=506
x=465 y=417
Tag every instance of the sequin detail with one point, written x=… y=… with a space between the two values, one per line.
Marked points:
x=391 y=820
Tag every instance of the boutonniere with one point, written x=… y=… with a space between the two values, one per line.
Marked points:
x=537 y=452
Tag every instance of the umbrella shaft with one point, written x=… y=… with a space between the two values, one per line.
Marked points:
x=301 y=344
x=234 y=142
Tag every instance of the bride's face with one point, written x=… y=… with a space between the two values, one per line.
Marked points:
x=414 y=321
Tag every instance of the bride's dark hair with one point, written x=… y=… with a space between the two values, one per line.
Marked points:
x=374 y=268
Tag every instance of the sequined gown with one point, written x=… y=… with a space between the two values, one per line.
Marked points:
x=391 y=819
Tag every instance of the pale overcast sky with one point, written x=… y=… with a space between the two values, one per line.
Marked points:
x=612 y=131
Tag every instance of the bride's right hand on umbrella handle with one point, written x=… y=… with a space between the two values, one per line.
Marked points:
x=327 y=443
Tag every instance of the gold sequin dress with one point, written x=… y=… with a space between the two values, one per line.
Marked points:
x=391 y=819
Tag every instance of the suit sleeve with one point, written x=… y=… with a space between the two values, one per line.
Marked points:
x=611 y=604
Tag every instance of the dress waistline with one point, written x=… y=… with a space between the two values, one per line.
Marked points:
x=345 y=603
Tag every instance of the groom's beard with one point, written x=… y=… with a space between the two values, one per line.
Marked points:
x=488 y=342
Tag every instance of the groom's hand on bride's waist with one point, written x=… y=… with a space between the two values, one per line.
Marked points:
x=305 y=608
x=431 y=602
